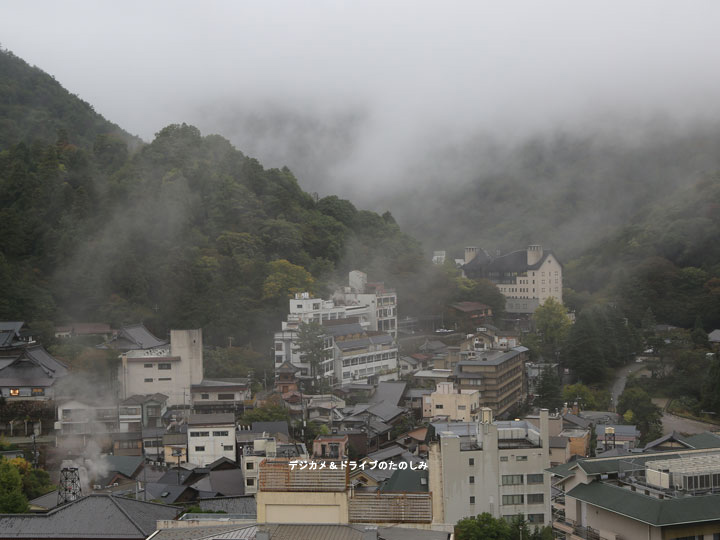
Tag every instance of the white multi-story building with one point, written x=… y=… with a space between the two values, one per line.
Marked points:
x=169 y=369
x=487 y=466
x=260 y=449
x=210 y=437
x=364 y=313
x=527 y=277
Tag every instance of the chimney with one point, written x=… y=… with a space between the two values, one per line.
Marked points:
x=470 y=253
x=545 y=428
x=534 y=254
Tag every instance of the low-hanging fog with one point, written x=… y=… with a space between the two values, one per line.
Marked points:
x=394 y=104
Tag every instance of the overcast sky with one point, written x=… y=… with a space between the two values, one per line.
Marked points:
x=348 y=93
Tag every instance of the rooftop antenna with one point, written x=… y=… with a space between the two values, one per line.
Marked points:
x=69 y=489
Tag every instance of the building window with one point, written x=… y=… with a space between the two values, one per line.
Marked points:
x=250 y=465
x=535 y=478
x=512 y=499
x=535 y=498
x=503 y=458
x=147 y=365
x=165 y=379
x=199 y=448
x=148 y=380
x=279 y=346
x=204 y=396
x=471 y=461
x=220 y=433
x=199 y=433
x=38 y=391
x=461 y=407
x=536 y=518
x=164 y=366
x=439 y=406
x=512 y=479
x=228 y=447
x=226 y=396
x=471 y=479
x=250 y=481
x=472 y=500
x=520 y=458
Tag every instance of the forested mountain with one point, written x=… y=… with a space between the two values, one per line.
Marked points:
x=632 y=213
x=186 y=231
x=35 y=107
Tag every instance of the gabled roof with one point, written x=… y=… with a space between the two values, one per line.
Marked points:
x=408 y=481
x=93 y=516
x=389 y=392
x=126 y=465
x=139 y=399
x=286 y=367
x=271 y=427
x=133 y=337
x=650 y=510
x=670 y=437
x=386 y=411
x=223 y=482
x=30 y=365
x=10 y=333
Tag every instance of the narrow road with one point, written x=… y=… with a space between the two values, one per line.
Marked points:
x=670 y=422
x=620 y=380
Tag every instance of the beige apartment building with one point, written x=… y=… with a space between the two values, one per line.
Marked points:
x=497 y=375
x=454 y=403
x=527 y=277
x=169 y=369
x=490 y=466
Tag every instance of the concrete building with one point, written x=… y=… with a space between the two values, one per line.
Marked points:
x=210 y=437
x=527 y=277
x=454 y=403
x=498 y=375
x=263 y=448
x=220 y=395
x=490 y=466
x=370 y=306
x=672 y=495
x=170 y=369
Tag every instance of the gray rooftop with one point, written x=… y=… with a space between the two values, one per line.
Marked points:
x=134 y=337
x=93 y=516
x=211 y=419
x=389 y=392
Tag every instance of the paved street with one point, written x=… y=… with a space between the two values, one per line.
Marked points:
x=671 y=423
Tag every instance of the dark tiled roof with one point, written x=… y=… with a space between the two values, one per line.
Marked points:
x=224 y=532
x=407 y=481
x=125 y=465
x=389 y=392
x=93 y=516
x=271 y=427
x=656 y=512
x=350 y=344
x=134 y=337
x=244 y=504
x=209 y=419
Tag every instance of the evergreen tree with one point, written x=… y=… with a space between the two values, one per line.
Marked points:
x=12 y=498
x=549 y=390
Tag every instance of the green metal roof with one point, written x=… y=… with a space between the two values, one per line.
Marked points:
x=650 y=510
x=564 y=469
x=703 y=440
x=408 y=481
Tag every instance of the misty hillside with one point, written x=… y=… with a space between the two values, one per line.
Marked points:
x=34 y=106
x=186 y=231
x=565 y=190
